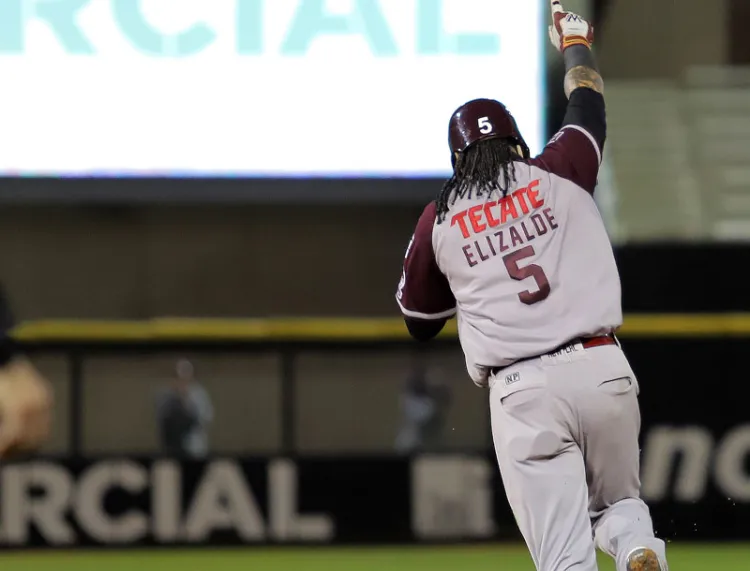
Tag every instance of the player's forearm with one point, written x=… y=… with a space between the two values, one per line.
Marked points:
x=581 y=70
x=584 y=87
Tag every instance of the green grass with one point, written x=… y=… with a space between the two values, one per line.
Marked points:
x=685 y=557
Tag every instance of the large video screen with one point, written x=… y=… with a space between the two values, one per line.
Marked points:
x=257 y=88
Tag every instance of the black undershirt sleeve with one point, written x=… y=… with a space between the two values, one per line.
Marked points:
x=586 y=109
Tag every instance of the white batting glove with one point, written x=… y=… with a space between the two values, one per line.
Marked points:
x=569 y=29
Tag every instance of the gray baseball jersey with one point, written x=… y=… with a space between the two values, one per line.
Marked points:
x=525 y=273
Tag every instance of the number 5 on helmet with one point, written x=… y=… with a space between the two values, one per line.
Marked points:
x=482 y=119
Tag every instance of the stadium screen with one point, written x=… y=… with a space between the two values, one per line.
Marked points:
x=248 y=88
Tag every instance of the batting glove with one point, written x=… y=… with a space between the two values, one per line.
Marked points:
x=569 y=29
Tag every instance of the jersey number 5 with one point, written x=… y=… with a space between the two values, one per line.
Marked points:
x=530 y=271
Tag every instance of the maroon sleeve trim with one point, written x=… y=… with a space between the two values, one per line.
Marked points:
x=590 y=137
x=424 y=292
x=572 y=154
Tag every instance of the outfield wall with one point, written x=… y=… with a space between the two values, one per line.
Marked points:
x=306 y=416
x=138 y=502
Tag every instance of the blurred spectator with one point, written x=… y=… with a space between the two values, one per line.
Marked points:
x=424 y=405
x=184 y=411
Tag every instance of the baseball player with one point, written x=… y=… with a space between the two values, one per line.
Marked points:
x=514 y=246
x=25 y=396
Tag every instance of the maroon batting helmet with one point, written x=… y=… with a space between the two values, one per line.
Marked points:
x=482 y=119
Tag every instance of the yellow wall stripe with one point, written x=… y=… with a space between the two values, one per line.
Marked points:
x=337 y=329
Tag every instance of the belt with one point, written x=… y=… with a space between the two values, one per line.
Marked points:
x=586 y=342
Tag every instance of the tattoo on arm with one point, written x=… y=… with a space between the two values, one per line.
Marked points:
x=581 y=70
x=583 y=76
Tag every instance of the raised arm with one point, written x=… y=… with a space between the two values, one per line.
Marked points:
x=573 y=36
x=575 y=152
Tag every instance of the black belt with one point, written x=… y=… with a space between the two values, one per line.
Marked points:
x=587 y=342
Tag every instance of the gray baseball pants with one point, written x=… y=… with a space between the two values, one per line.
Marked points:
x=565 y=428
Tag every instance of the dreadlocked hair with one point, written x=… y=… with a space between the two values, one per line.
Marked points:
x=481 y=170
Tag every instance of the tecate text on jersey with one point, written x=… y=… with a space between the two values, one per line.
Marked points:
x=522 y=203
